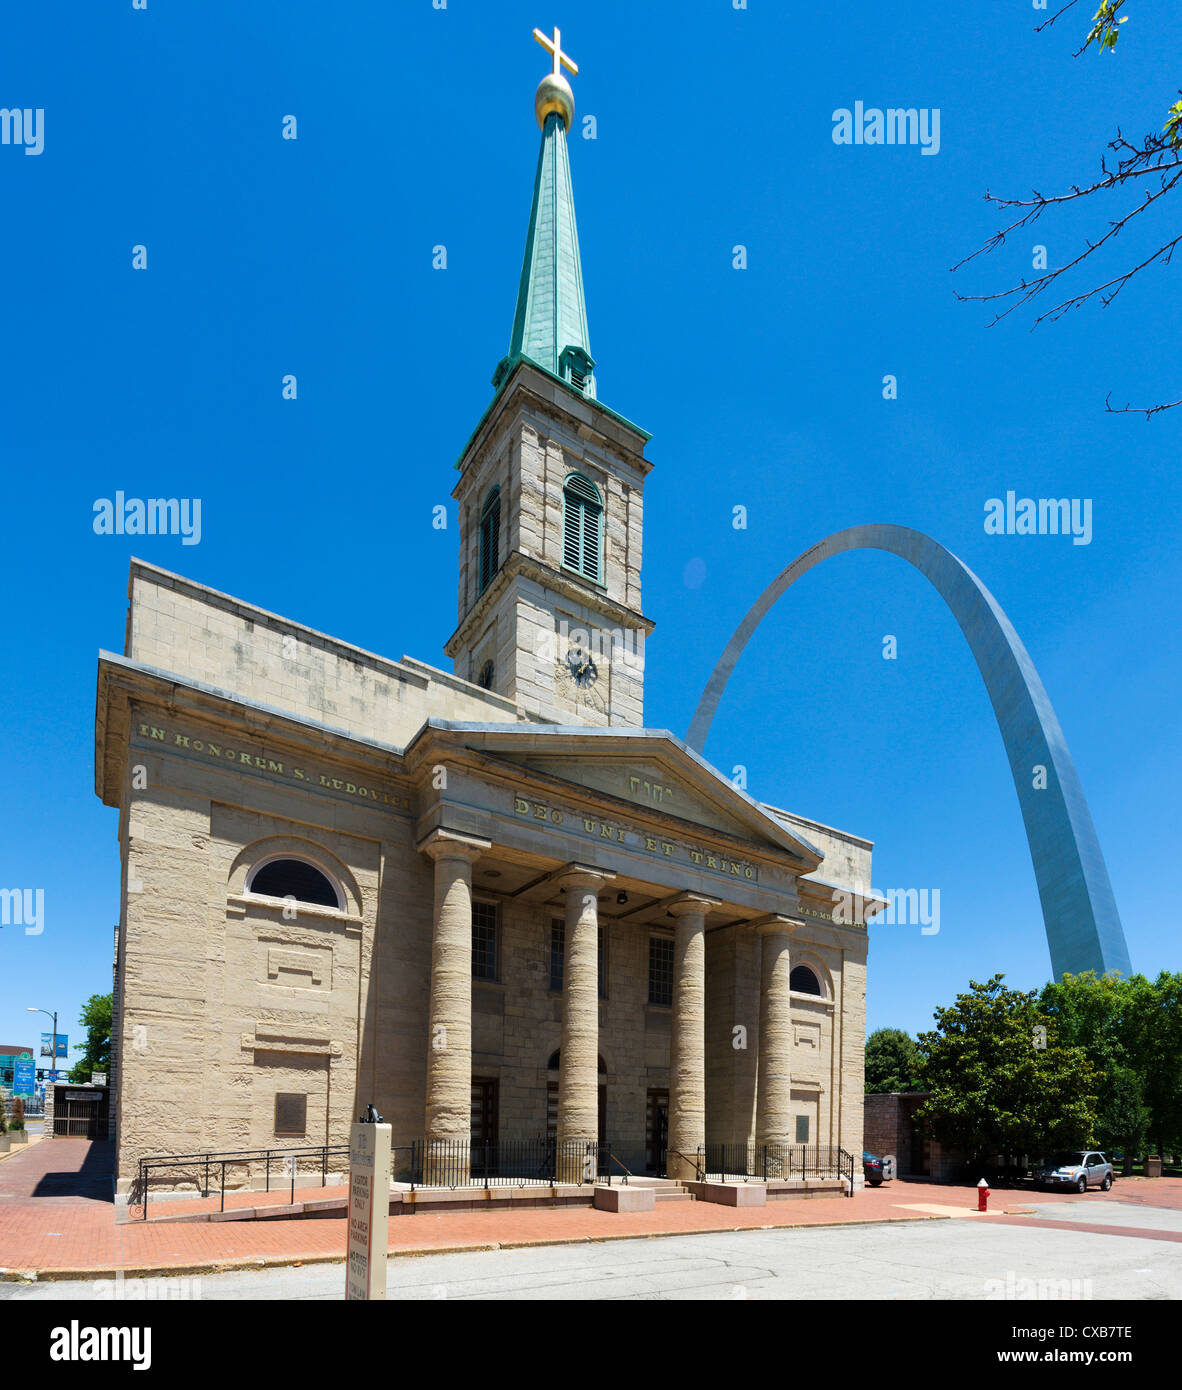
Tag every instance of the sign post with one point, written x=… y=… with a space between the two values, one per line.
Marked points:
x=369 y=1209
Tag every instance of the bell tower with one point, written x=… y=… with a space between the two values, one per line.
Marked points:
x=551 y=483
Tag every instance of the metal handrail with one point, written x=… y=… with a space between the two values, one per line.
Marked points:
x=225 y=1158
x=696 y=1161
x=761 y=1162
x=628 y=1173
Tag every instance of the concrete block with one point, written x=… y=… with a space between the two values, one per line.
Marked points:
x=730 y=1194
x=625 y=1198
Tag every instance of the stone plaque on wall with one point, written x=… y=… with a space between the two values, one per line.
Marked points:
x=291 y=1113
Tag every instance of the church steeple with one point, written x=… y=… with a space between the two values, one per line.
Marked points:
x=550 y=493
x=550 y=323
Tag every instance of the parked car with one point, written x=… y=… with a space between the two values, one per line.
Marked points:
x=874 y=1169
x=1077 y=1168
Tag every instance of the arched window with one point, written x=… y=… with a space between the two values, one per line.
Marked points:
x=294 y=878
x=582 y=527
x=490 y=537
x=804 y=980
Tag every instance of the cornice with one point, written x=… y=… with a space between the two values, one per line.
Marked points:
x=517 y=563
x=425 y=749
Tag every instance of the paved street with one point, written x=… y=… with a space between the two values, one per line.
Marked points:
x=937 y=1259
x=902 y=1240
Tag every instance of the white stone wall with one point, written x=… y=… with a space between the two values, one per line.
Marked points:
x=195 y=632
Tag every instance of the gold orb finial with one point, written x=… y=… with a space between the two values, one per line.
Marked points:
x=554 y=94
x=554 y=91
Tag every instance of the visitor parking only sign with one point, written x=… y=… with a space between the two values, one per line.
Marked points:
x=369 y=1211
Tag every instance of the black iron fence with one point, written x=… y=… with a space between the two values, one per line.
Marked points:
x=208 y=1170
x=463 y=1163
x=770 y=1162
x=491 y=1163
x=452 y=1163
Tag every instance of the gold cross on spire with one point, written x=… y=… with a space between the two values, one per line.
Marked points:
x=554 y=46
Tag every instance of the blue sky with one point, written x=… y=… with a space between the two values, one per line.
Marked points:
x=761 y=387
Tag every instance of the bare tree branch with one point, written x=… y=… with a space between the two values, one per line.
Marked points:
x=1145 y=410
x=1027 y=290
x=1159 y=154
x=1046 y=24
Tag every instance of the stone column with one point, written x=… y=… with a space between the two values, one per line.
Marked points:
x=773 y=1101
x=687 y=1043
x=578 y=1063
x=449 y=1036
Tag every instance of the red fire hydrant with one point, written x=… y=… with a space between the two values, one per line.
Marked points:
x=982 y=1195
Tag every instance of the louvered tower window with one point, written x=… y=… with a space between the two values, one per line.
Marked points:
x=490 y=533
x=582 y=527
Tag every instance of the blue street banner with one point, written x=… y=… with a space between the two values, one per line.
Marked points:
x=23 y=1075
x=62 y=1045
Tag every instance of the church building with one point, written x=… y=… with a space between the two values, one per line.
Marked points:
x=491 y=902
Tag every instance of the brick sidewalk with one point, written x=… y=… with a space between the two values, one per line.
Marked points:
x=57 y=1219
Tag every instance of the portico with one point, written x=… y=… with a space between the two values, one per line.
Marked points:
x=506 y=821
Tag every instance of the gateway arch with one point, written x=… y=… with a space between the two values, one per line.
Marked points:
x=1082 y=924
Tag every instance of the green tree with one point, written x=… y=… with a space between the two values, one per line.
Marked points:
x=1123 y=1118
x=1157 y=1053
x=96 y=1050
x=1104 y=1017
x=892 y=1061
x=1001 y=1081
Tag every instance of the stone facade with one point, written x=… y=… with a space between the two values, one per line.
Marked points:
x=491 y=903
x=228 y=737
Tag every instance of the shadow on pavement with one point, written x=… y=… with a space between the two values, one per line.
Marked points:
x=92 y=1179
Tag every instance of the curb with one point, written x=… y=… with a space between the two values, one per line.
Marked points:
x=31 y=1142
x=261 y=1262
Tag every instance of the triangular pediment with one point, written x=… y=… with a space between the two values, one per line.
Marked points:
x=649 y=769
x=643 y=781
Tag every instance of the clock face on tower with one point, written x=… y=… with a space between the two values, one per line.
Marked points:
x=581 y=668
x=577 y=675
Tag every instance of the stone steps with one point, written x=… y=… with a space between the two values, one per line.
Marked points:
x=795 y=1189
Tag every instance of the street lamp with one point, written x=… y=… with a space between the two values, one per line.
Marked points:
x=52 y=1037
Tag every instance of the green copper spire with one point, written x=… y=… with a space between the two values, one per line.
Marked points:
x=550 y=325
